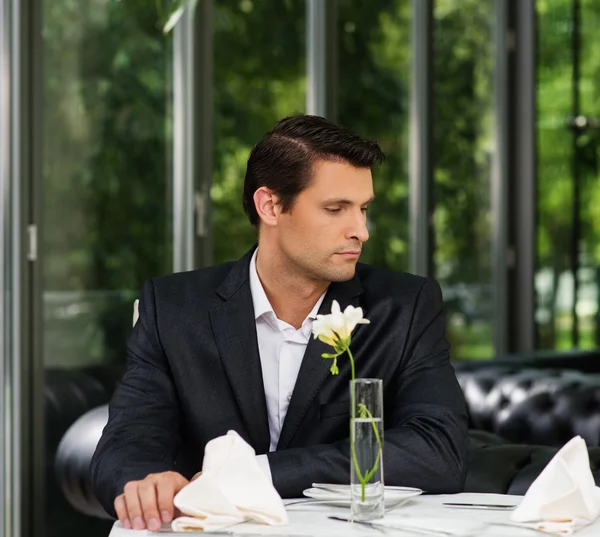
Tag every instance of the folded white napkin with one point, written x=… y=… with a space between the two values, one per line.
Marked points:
x=564 y=497
x=232 y=489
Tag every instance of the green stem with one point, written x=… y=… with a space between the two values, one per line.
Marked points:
x=371 y=472
x=352 y=446
x=353 y=373
x=363 y=479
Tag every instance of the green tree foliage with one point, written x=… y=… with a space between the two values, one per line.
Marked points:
x=557 y=157
x=259 y=72
x=107 y=135
x=107 y=130
x=106 y=171
x=463 y=148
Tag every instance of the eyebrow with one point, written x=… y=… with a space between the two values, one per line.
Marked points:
x=345 y=201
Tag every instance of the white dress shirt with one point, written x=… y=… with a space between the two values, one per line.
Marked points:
x=281 y=348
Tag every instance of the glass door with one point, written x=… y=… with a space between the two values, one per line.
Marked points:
x=107 y=92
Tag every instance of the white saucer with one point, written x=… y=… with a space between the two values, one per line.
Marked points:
x=393 y=496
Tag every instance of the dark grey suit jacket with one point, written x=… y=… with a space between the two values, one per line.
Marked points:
x=193 y=372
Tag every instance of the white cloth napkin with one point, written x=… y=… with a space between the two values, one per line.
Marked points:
x=564 y=497
x=232 y=489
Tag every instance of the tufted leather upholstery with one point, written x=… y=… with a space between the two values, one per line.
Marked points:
x=533 y=406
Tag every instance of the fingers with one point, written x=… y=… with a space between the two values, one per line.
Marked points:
x=121 y=510
x=165 y=495
x=133 y=505
x=148 y=500
x=147 y=503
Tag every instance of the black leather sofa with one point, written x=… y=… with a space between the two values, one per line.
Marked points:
x=520 y=417
x=520 y=412
x=532 y=405
x=68 y=396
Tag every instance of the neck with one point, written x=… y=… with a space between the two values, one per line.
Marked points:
x=292 y=295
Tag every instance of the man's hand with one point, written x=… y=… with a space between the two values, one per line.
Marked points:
x=147 y=503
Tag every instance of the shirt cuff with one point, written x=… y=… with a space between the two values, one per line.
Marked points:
x=263 y=462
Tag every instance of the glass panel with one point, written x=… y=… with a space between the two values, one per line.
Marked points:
x=260 y=77
x=554 y=186
x=106 y=202
x=568 y=187
x=373 y=42
x=463 y=145
x=587 y=150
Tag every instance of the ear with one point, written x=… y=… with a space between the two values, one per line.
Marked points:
x=267 y=206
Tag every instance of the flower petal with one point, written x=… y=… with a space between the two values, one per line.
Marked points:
x=327 y=340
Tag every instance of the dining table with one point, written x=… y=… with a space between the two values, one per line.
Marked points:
x=420 y=516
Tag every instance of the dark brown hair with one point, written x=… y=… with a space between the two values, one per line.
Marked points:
x=283 y=159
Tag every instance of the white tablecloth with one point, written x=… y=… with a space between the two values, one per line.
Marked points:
x=311 y=520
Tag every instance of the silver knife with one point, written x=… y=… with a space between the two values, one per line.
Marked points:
x=406 y=527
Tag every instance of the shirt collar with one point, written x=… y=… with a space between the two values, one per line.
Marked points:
x=259 y=297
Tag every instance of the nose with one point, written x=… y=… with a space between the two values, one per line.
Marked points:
x=357 y=230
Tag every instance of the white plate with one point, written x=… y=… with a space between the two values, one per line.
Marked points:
x=393 y=496
x=344 y=490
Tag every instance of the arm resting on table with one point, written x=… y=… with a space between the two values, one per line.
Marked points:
x=426 y=442
x=142 y=433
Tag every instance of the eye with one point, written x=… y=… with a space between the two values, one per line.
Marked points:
x=332 y=211
x=364 y=210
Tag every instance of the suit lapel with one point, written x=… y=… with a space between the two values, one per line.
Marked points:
x=234 y=329
x=315 y=369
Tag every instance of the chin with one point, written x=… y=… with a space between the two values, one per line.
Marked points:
x=341 y=275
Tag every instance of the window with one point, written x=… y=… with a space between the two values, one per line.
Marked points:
x=373 y=48
x=463 y=146
x=106 y=201
x=260 y=77
x=568 y=253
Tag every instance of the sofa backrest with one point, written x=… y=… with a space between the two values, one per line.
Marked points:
x=533 y=406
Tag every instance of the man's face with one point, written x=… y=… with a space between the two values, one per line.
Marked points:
x=322 y=235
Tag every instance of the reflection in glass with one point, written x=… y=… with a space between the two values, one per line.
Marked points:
x=260 y=77
x=568 y=227
x=373 y=48
x=463 y=143
x=106 y=201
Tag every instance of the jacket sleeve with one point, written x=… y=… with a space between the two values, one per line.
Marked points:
x=142 y=433
x=426 y=441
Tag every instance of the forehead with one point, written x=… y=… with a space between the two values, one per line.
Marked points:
x=340 y=178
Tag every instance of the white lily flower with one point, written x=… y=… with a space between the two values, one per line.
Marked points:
x=353 y=317
x=335 y=330
x=337 y=321
x=337 y=325
x=321 y=329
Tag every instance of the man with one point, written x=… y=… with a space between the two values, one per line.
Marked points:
x=230 y=347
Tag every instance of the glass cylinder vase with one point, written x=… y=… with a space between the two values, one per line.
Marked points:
x=366 y=449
